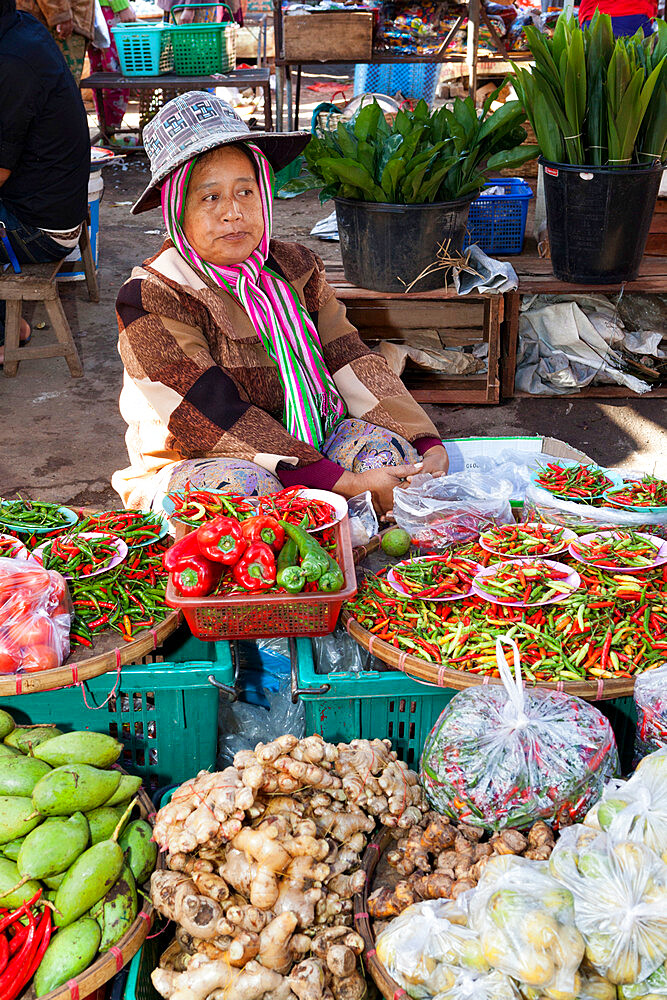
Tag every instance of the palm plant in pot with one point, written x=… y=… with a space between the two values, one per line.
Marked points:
x=598 y=106
x=403 y=189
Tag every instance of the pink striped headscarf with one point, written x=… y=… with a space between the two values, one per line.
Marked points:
x=313 y=405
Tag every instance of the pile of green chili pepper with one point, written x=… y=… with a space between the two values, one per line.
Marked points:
x=615 y=625
x=135 y=527
x=72 y=555
x=127 y=599
x=649 y=491
x=574 y=482
x=617 y=550
x=27 y=515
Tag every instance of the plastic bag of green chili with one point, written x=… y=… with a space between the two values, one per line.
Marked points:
x=501 y=755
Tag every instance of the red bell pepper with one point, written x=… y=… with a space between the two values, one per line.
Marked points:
x=256 y=569
x=181 y=552
x=198 y=577
x=264 y=528
x=221 y=540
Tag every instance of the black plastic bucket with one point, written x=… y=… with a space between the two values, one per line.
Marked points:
x=598 y=220
x=381 y=243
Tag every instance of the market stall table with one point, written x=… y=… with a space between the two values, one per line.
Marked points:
x=258 y=77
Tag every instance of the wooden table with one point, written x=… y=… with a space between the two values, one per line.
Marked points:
x=258 y=77
x=460 y=320
x=536 y=278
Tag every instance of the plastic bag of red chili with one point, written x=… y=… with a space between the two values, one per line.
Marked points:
x=503 y=756
x=651 y=702
x=34 y=617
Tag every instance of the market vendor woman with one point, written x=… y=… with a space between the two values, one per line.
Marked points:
x=241 y=369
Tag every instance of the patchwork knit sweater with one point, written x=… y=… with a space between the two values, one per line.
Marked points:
x=199 y=383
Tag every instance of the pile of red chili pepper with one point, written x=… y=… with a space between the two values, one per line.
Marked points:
x=127 y=599
x=22 y=945
x=523 y=539
x=649 y=491
x=529 y=582
x=292 y=506
x=574 y=482
x=72 y=555
x=135 y=527
x=617 y=550
x=436 y=576
x=615 y=625
x=194 y=507
x=259 y=554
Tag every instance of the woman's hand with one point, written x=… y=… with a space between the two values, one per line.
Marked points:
x=435 y=461
x=126 y=15
x=380 y=482
x=65 y=28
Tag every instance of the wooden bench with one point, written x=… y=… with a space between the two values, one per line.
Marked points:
x=37 y=283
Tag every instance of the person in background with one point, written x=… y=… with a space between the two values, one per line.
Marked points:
x=107 y=61
x=71 y=24
x=44 y=148
x=627 y=16
x=212 y=12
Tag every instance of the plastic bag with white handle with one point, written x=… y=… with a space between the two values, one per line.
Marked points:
x=501 y=755
x=636 y=809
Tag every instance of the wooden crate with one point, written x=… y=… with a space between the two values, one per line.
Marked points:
x=460 y=321
x=328 y=35
x=656 y=245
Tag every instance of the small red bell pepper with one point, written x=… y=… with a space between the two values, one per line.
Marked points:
x=256 y=569
x=181 y=552
x=221 y=540
x=264 y=528
x=198 y=577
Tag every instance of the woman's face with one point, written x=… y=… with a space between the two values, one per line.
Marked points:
x=223 y=208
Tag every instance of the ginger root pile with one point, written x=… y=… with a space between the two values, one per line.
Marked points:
x=440 y=859
x=263 y=860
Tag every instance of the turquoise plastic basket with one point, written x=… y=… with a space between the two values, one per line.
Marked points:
x=143 y=49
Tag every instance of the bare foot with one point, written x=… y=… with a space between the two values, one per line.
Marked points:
x=24 y=336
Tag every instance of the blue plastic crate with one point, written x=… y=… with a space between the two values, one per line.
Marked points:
x=143 y=49
x=497 y=222
x=413 y=80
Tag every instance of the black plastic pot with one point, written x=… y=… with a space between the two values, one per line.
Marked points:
x=381 y=243
x=598 y=220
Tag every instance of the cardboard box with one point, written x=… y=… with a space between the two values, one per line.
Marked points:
x=325 y=36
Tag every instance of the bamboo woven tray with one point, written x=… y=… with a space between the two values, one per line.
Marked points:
x=107 y=965
x=362 y=922
x=442 y=676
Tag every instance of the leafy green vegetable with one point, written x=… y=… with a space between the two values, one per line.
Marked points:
x=422 y=157
x=593 y=99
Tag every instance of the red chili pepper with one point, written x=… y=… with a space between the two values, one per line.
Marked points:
x=181 y=552
x=198 y=577
x=4 y=952
x=256 y=570
x=264 y=528
x=221 y=540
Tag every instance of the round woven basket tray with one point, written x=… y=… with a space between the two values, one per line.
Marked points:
x=83 y=663
x=107 y=965
x=443 y=676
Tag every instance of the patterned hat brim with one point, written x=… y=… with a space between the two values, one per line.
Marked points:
x=280 y=148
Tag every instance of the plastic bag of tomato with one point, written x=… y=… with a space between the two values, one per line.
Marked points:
x=34 y=617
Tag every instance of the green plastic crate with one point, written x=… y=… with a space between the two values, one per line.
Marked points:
x=165 y=713
x=370 y=705
x=139 y=985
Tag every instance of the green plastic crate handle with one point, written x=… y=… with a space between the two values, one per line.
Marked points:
x=194 y=6
x=231 y=690
x=296 y=690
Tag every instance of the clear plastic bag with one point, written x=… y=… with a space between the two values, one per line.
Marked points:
x=34 y=617
x=651 y=702
x=437 y=511
x=242 y=726
x=431 y=952
x=653 y=987
x=636 y=809
x=501 y=755
x=620 y=901
x=363 y=519
x=525 y=920
x=593 y=985
x=540 y=505
x=338 y=652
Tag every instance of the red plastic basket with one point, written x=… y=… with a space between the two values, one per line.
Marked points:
x=242 y=616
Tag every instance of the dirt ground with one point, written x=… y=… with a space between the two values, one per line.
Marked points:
x=62 y=438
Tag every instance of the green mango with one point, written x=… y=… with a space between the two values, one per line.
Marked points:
x=19 y=775
x=17 y=817
x=97 y=749
x=50 y=894
x=142 y=852
x=27 y=738
x=6 y=751
x=70 y=952
x=608 y=810
x=73 y=788
x=54 y=882
x=53 y=846
x=11 y=893
x=89 y=879
x=11 y=850
x=117 y=911
x=128 y=787
x=103 y=821
x=6 y=724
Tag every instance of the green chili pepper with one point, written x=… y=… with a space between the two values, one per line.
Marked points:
x=333 y=580
x=314 y=560
x=289 y=575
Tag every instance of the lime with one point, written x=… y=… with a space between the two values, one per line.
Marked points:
x=396 y=542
